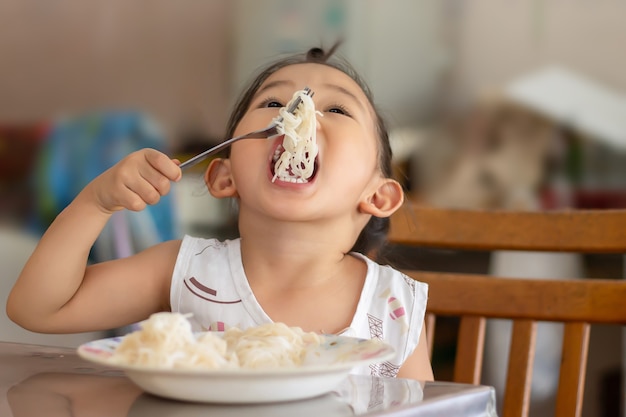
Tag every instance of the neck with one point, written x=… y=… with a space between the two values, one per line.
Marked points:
x=294 y=253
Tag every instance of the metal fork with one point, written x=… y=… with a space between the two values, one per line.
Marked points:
x=268 y=132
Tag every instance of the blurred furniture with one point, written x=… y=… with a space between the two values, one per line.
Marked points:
x=82 y=146
x=19 y=146
x=474 y=297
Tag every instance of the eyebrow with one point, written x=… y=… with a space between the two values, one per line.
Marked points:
x=272 y=84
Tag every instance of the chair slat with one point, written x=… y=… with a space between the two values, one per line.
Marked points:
x=575 y=231
x=519 y=374
x=573 y=368
x=470 y=347
x=590 y=300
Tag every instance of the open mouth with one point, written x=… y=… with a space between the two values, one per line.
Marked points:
x=294 y=159
x=284 y=167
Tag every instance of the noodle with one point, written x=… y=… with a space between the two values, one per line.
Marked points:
x=295 y=159
x=271 y=345
x=167 y=341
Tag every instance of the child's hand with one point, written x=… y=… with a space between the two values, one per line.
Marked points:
x=139 y=179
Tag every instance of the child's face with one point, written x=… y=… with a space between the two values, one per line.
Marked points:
x=347 y=164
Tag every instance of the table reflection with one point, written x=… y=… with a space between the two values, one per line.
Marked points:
x=57 y=394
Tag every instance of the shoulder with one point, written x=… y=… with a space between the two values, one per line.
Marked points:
x=396 y=306
x=197 y=246
x=389 y=277
x=204 y=253
x=161 y=252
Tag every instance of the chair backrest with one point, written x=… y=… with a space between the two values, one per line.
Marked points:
x=474 y=298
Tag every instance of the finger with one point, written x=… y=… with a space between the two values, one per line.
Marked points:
x=145 y=192
x=156 y=179
x=163 y=164
x=134 y=202
x=144 y=184
x=127 y=198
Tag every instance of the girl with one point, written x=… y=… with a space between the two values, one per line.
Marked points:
x=299 y=258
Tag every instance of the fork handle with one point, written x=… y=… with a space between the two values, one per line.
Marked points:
x=267 y=132
x=204 y=155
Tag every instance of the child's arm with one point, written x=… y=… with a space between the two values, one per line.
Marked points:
x=418 y=366
x=56 y=291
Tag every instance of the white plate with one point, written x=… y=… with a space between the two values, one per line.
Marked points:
x=324 y=368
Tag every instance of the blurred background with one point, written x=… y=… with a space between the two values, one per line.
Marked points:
x=518 y=104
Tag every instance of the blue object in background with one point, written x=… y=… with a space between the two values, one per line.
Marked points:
x=80 y=148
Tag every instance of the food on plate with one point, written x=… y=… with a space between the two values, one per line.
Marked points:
x=166 y=340
x=294 y=160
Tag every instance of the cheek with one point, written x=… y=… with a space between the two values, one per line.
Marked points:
x=360 y=155
x=240 y=156
x=248 y=156
x=255 y=119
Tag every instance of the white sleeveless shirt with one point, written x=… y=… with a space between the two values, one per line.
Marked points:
x=210 y=283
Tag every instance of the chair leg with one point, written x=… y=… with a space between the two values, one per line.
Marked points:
x=430 y=332
x=520 y=370
x=569 y=400
x=470 y=347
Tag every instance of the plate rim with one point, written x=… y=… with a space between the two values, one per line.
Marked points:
x=312 y=369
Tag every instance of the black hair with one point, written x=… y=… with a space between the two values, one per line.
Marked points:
x=374 y=234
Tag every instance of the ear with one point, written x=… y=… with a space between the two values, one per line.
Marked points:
x=385 y=200
x=218 y=179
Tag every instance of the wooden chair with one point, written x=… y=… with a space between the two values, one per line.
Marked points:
x=474 y=298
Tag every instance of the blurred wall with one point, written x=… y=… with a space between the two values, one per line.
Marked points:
x=497 y=41
x=399 y=46
x=183 y=60
x=65 y=56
